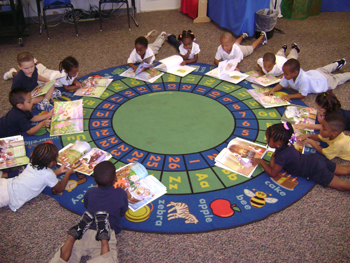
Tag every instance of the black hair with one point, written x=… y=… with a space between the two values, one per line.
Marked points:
x=24 y=57
x=269 y=57
x=141 y=41
x=279 y=133
x=104 y=174
x=17 y=96
x=43 y=154
x=186 y=34
x=293 y=65
x=68 y=63
x=328 y=101
x=336 y=122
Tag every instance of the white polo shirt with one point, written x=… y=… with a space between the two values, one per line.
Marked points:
x=236 y=53
x=277 y=69
x=194 y=51
x=136 y=58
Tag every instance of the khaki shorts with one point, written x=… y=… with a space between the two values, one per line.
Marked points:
x=88 y=246
x=4 y=194
x=246 y=50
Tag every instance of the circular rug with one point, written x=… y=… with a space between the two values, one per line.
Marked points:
x=176 y=127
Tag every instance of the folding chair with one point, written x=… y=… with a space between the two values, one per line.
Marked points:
x=113 y=1
x=57 y=4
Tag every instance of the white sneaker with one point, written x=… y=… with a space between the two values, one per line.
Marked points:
x=56 y=94
x=244 y=35
x=9 y=74
x=44 y=105
x=264 y=41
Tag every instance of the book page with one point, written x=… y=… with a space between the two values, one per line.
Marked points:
x=93 y=87
x=72 y=152
x=267 y=80
x=298 y=114
x=170 y=62
x=144 y=192
x=258 y=93
x=227 y=66
x=12 y=152
x=66 y=127
x=149 y=75
x=67 y=110
x=88 y=161
x=43 y=88
x=129 y=175
x=238 y=156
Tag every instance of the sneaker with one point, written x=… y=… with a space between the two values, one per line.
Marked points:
x=264 y=41
x=102 y=226
x=85 y=222
x=56 y=94
x=9 y=74
x=151 y=33
x=44 y=105
x=244 y=35
x=294 y=45
x=285 y=47
x=163 y=33
x=341 y=63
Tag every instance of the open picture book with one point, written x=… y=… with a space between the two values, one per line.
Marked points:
x=265 y=80
x=93 y=86
x=226 y=70
x=173 y=66
x=140 y=187
x=43 y=88
x=296 y=114
x=238 y=155
x=258 y=93
x=67 y=117
x=12 y=152
x=81 y=157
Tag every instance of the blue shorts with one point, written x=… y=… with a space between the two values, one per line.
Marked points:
x=325 y=174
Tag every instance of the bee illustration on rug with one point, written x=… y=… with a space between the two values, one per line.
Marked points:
x=182 y=211
x=259 y=199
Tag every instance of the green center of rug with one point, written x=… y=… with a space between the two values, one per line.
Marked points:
x=173 y=123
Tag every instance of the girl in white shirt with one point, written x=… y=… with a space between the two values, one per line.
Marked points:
x=189 y=49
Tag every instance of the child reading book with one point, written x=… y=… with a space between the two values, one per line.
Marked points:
x=19 y=118
x=312 y=166
x=332 y=132
x=35 y=177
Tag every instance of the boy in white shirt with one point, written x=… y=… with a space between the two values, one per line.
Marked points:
x=144 y=50
x=312 y=81
x=272 y=64
x=231 y=49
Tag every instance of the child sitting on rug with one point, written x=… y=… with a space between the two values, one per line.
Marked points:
x=312 y=81
x=189 y=49
x=104 y=202
x=231 y=49
x=312 y=166
x=272 y=64
x=65 y=77
x=28 y=77
x=144 y=50
x=18 y=190
x=19 y=118
x=332 y=132
x=326 y=103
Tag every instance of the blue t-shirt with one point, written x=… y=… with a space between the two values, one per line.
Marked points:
x=15 y=122
x=110 y=199
x=22 y=81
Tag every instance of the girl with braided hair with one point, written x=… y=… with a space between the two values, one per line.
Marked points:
x=312 y=166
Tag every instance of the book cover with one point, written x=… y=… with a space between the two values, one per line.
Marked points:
x=226 y=71
x=173 y=66
x=12 y=152
x=268 y=101
x=298 y=114
x=140 y=187
x=42 y=89
x=81 y=157
x=67 y=117
x=93 y=86
x=238 y=155
x=265 y=80
x=148 y=75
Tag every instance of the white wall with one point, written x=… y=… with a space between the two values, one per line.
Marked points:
x=141 y=5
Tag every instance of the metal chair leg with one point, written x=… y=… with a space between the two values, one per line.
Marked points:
x=127 y=9
x=99 y=11
x=75 y=21
x=45 y=22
